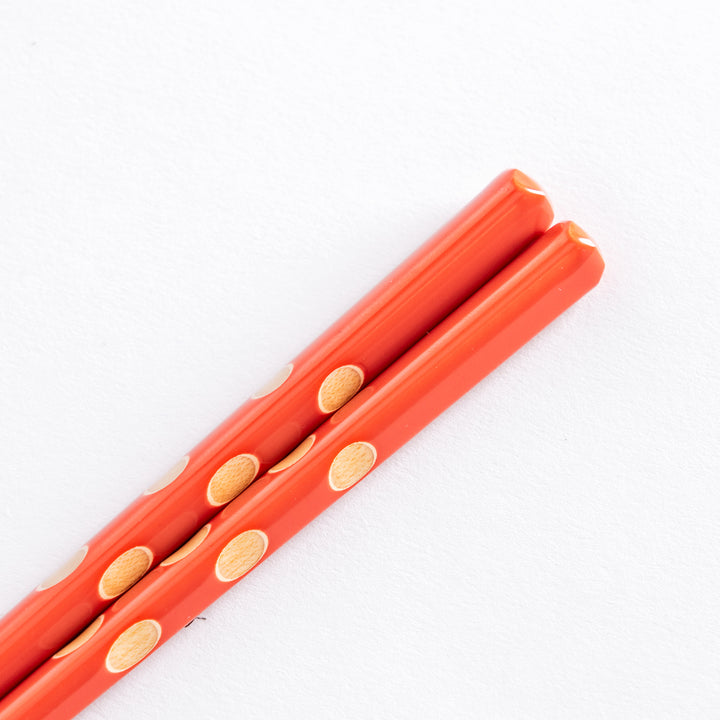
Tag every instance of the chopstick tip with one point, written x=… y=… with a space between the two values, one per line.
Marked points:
x=523 y=182
x=579 y=235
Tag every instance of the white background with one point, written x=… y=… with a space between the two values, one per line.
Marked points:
x=191 y=192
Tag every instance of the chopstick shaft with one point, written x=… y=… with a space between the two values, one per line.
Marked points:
x=469 y=250
x=548 y=277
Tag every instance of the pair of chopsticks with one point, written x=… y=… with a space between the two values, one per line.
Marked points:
x=472 y=295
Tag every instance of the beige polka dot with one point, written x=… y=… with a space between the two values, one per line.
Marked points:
x=232 y=478
x=67 y=569
x=170 y=476
x=351 y=464
x=275 y=383
x=82 y=638
x=124 y=572
x=240 y=554
x=192 y=544
x=294 y=456
x=133 y=645
x=339 y=386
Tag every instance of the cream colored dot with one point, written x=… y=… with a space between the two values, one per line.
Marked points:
x=125 y=571
x=339 y=386
x=67 y=569
x=275 y=383
x=240 y=554
x=170 y=476
x=133 y=645
x=82 y=638
x=232 y=478
x=192 y=544
x=351 y=464
x=299 y=452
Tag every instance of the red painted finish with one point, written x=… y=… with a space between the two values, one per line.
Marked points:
x=548 y=277
x=464 y=254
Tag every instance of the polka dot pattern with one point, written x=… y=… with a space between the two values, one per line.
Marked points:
x=133 y=645
x=351 y=464
x=240 y=555
x=298 y=453
x=275 y=383
x=170 y=476
x=339 y=386
x=66 y=570
x=124 y=572
x=232 y=478
x=192 y=544
x=81 y=639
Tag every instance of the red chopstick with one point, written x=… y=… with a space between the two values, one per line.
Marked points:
x=548 y=277
x=464 y=254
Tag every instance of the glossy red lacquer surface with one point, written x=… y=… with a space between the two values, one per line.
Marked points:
x=457 y=260
x=540 y=284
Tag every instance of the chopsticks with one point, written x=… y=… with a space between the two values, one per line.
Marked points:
x=544 y=280
x=430 y=284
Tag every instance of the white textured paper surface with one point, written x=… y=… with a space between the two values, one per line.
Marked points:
x=191 y=192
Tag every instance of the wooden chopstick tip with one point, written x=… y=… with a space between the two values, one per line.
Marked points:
x=526 y=183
